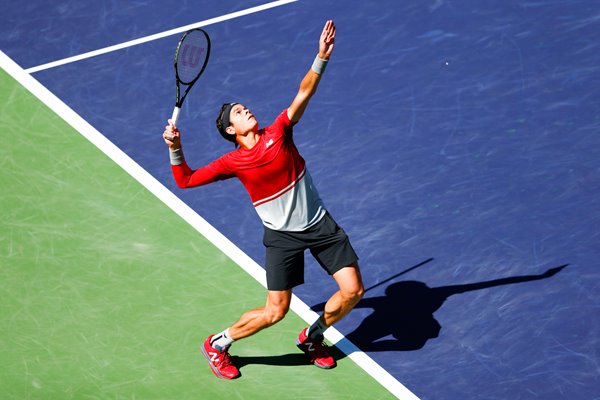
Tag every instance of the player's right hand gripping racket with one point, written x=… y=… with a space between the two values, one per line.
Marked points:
x=191 y=57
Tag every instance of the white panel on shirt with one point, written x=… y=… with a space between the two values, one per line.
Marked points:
x=295 y=208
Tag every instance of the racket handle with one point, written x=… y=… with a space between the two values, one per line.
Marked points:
x=175 y=115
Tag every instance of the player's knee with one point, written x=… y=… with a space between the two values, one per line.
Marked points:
x=360 y=292
x=354 y=293
x=275 y=314
x=350 y=283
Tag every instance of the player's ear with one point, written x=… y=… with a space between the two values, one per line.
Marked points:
x=230 y=130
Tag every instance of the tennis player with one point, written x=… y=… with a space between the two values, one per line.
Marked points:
x=294 y=217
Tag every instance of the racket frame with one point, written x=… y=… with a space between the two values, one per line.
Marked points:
x=178 y=82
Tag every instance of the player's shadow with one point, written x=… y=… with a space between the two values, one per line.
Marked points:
x=283 y=360
x=406 y=312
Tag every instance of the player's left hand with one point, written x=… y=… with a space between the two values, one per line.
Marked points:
x=327 y=40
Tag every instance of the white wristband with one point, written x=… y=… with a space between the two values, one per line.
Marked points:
x=176 y=156
x=319 y=65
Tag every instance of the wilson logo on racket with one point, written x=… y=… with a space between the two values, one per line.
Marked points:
x=190 y=56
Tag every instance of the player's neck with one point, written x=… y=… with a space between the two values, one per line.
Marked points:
x=249 y=140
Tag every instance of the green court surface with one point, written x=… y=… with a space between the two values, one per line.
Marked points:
x=106 y=293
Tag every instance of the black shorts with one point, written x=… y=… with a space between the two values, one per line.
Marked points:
x=327 y=242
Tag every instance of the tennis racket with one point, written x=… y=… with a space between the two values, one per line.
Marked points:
x=191 y=57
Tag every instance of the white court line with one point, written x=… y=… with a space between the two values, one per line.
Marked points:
x=160 y=35
x=200 y=224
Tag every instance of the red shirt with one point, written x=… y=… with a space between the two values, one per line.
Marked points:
x=274 y=174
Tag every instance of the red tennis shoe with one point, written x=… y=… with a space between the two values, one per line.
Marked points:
x=220 y=362
x=315 y=350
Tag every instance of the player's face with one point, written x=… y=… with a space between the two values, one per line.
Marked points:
x=242 y=119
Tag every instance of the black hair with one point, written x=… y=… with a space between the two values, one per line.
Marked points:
x=223 y=122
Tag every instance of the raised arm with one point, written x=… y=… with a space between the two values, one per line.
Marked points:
x=309 y=84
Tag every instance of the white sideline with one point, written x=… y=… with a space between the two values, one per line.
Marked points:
x=189 y=215
x=160 y=35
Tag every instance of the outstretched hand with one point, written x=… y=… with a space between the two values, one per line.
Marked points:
x=327 y=40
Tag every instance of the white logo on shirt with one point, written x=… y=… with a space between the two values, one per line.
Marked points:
x=269 y=143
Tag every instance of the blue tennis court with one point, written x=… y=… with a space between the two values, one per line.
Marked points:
x=456 y=142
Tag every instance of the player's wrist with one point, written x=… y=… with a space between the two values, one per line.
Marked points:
x=319 y=64
x=176 y=156
x=323 y=56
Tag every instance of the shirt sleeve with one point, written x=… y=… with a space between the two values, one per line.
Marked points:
x=185 y=177
x=283 y=122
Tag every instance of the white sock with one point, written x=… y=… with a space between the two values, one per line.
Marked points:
x=221 y=341
x=316 y=329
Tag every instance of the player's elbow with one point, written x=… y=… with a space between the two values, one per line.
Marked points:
x=182 y=183
x=307 y=92
x=308 y=86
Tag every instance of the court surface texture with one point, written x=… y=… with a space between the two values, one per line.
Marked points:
x=456 y=143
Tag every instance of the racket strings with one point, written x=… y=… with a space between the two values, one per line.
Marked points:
x=192 y=55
